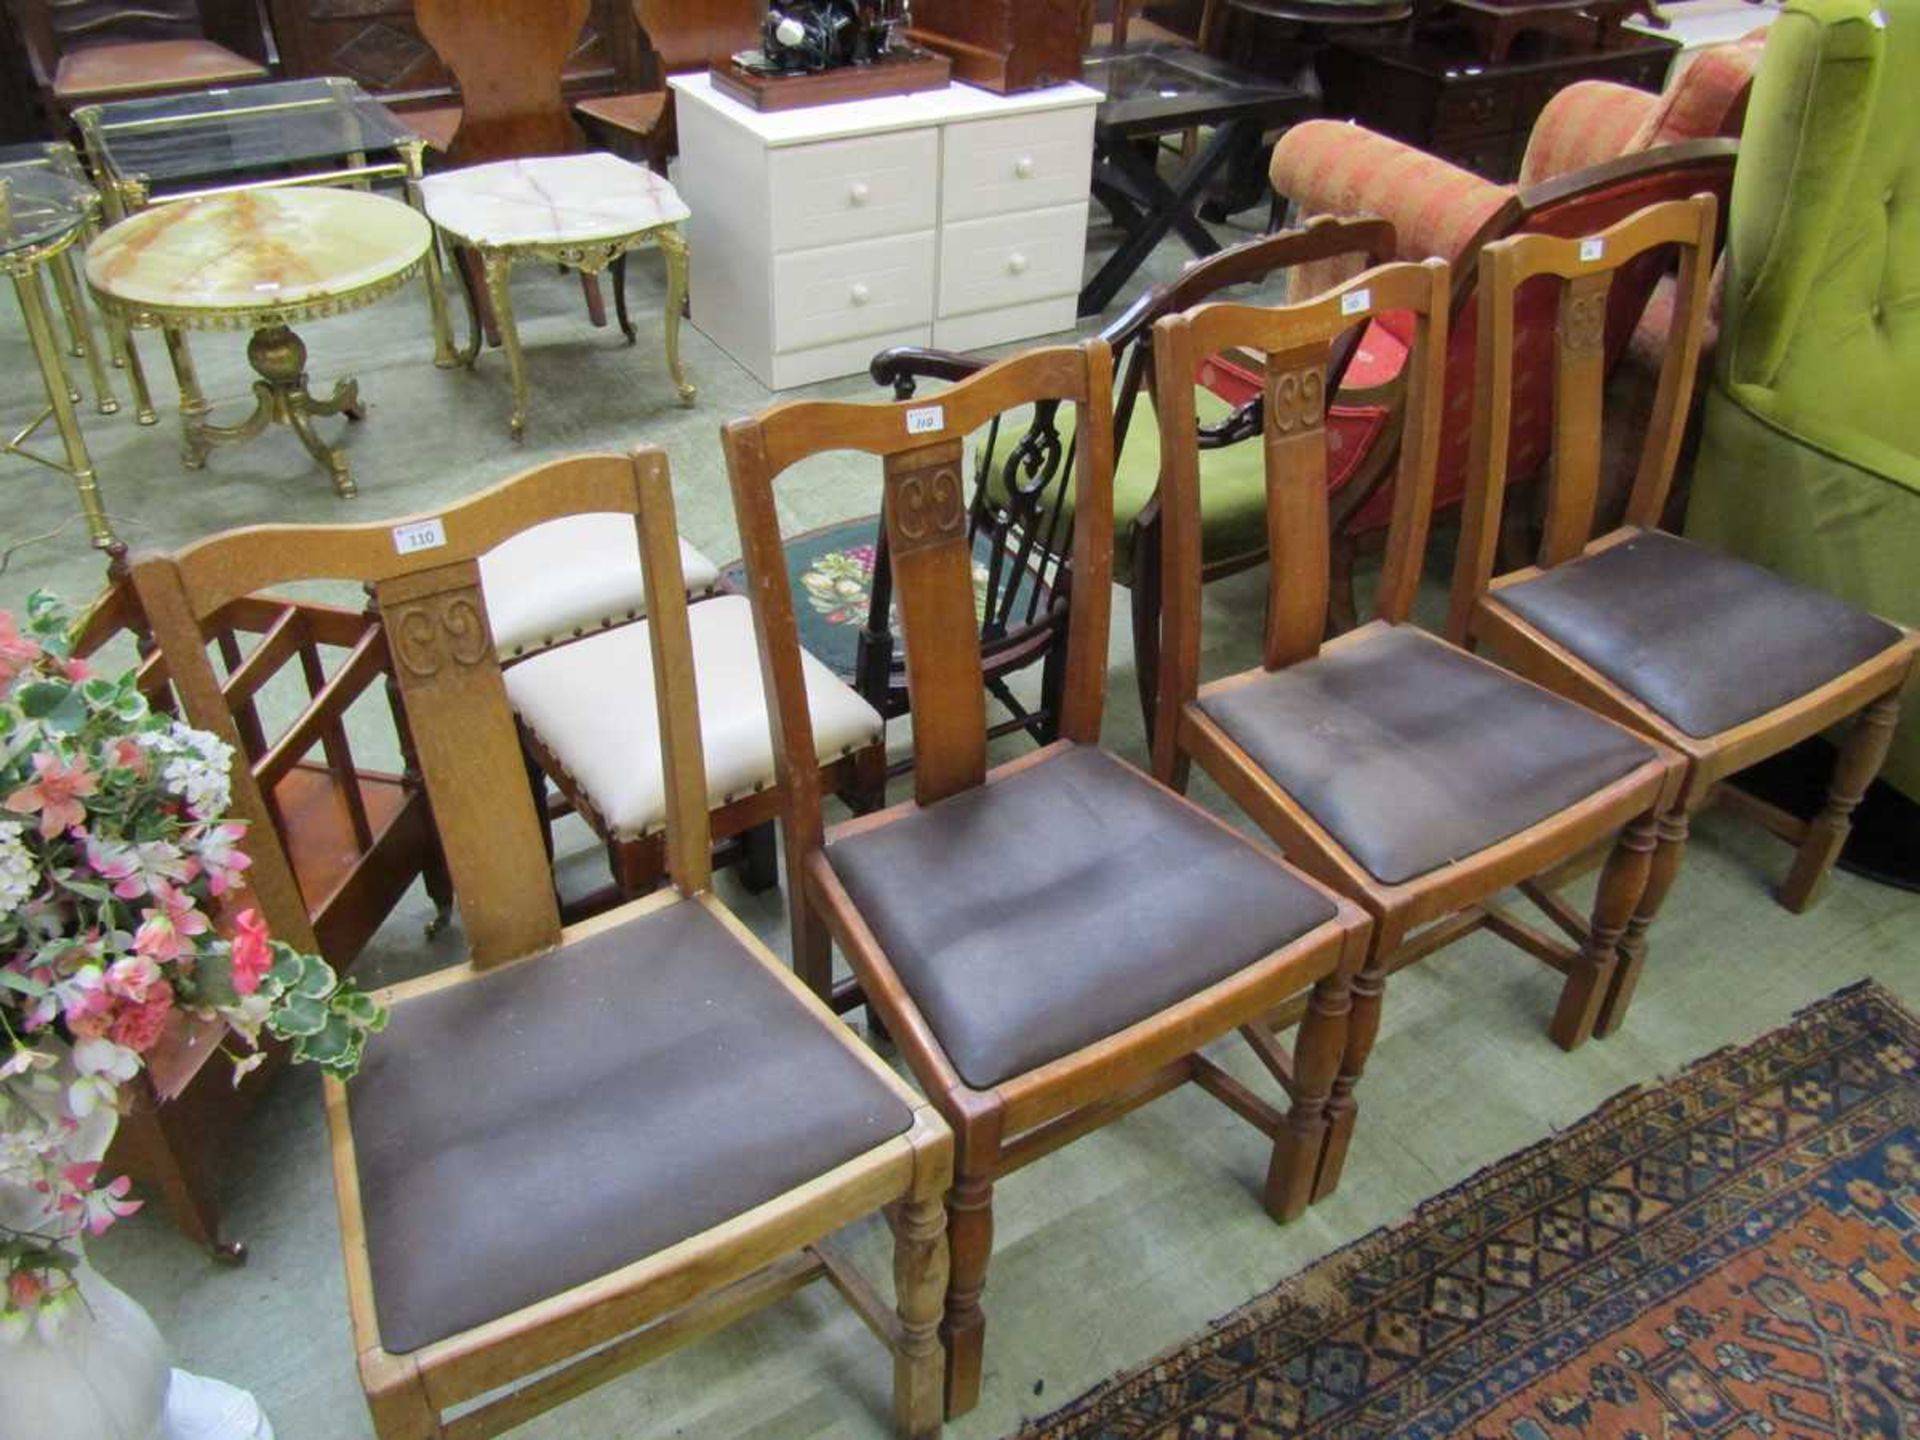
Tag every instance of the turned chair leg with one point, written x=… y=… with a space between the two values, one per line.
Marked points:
x=919 y=1287
x=963 y=1329
x=1363 y=1027
x=1623 y=880
x=1668 y=851
x=1316 y=1059
x=1859 y=761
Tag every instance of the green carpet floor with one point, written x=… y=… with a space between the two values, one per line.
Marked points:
x=1108 y=1252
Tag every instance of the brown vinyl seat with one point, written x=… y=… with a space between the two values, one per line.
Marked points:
x=480 y=1094
x=1707 y=640
x=1125 y=901
x=1414 y=754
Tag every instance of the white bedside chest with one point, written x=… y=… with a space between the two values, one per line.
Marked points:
x=822 y=235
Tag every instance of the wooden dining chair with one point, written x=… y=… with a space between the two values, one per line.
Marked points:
x=587 y=1146
x=675 y=38
x=1721 y=660
x=84 y=52
x=1053 y=941
x=297 y=681
x=1410 y=776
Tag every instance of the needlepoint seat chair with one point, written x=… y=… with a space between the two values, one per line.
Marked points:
x=1050 y=942
x=1414 y=778
x=1722 y=661
x=586 y=1146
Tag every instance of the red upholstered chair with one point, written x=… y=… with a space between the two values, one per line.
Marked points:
x=1598 y=152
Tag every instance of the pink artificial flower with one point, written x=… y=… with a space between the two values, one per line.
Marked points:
x=131 y=977
x=139 y=1027
x=86 y=1005
x=55 y=792
x=125 y=753
x=166 y=930
x=252 y=956
x=24 y=1287
x=98 y=1208
x=77 y=670
x=118 y=864
x=16 y=651
x=221 y=857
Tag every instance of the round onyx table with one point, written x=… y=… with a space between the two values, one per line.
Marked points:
x=265 y=261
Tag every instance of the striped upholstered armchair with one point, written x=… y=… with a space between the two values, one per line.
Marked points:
x=1597 y=151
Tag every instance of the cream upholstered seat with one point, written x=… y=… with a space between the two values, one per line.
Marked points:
x=567 y=578
x=589 y=707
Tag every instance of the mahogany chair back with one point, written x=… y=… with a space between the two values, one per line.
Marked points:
x=426 y=590
x=508 y=57
x=1299 y=343
x=928 y=534
x=683 y=35
x=1583 y=272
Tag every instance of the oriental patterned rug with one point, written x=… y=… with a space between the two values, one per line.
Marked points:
x=1733 y=1253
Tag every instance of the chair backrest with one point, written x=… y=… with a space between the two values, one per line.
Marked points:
x=1574 y=205
x=683 y=35
x=1823 y=233
x=507 y=57
x=920 y=445
x=424 y=578
x=50 y=28
x=1298 y=342
x=1581 y=273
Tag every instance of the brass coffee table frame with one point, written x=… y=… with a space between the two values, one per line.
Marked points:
x=279 y=358
x=589 y=257
x=23 y=267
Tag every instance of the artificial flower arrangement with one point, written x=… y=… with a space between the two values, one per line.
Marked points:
x=115 y=851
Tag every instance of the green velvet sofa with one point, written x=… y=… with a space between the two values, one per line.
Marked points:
x=1809 y=460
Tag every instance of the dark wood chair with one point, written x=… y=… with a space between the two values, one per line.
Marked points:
x=1233 y=499
x=1052 y=942
x=1722 y=661
x=1414 y=778
x=84 y=52
x=508 y=58
x=676 y=37
x=588 y=1146
x=348 y=841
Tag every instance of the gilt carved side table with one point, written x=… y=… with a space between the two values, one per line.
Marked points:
x=265 y=261
x=586 y=212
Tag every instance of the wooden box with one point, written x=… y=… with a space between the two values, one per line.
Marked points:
x=1007 y=45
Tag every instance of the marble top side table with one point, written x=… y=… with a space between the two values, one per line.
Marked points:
x=262 y=260
x=583 y=211
x=44 y=213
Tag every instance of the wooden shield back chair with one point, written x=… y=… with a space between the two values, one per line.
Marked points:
x=611 y=1138
x=1051 y=942
x=1405 y=773
x=676 y=36
x=1723 y=661
x=336 y=841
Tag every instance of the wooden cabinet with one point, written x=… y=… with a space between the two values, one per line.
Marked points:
x=822 y=235
x=1432 y=90
x=376 y=43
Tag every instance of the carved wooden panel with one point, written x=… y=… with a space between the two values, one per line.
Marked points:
x=929 y=507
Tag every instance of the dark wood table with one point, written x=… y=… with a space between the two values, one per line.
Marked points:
x=1167 y=90
x=1433 y=89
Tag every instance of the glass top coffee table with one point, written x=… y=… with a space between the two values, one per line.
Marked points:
x=1163 y=90
x=46 y=210
x=262 y=260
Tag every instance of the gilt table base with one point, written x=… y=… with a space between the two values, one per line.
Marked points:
x=281 y=397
